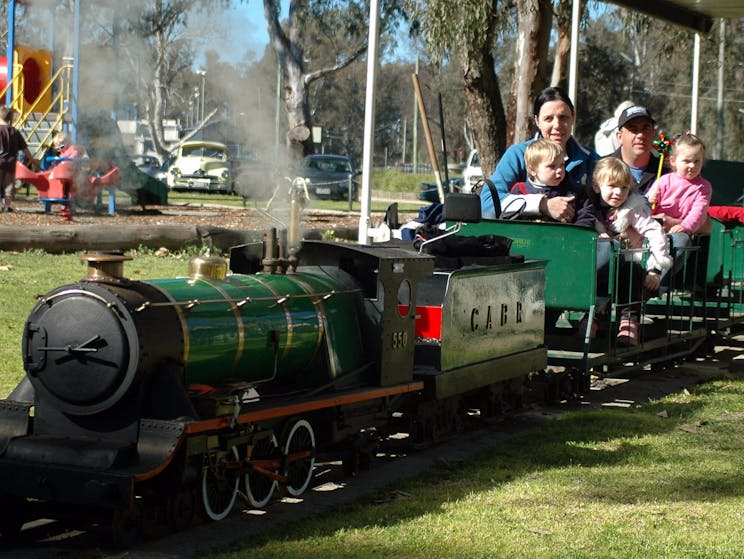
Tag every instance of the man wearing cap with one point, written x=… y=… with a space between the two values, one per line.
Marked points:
x=636 y=130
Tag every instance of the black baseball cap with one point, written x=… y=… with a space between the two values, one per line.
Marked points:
x=635 y=111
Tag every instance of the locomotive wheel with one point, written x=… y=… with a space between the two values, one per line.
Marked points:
x=220 y=486
x=127 y=526
x=259 y=488
x=299 y=455
x=181 y=508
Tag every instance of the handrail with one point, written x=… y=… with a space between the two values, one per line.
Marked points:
x=59 y=101
x=18 y=84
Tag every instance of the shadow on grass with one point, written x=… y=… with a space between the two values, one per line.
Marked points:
x=595 y=441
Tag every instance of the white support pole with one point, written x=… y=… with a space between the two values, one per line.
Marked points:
x=720 y=152
x=695 y=84
x=369 y=122
x=573 y=61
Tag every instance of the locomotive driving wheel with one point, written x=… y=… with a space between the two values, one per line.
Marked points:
x=220 y=482
x=299 y=456
x=259 y=487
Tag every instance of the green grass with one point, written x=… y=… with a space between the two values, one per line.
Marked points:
x=198 y=199
x=614 y=483
x=24 y=275
x=608 y=483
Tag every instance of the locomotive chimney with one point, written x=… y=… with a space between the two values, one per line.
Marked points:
x=105 y=265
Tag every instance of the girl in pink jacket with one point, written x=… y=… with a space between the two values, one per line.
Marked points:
x=624 y=216
x=682 y=198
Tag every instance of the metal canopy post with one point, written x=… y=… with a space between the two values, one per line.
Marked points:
x=573 y=63
x=369 y=122
x=695 y=84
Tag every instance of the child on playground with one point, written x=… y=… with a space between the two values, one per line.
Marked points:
x=546 y=174
x=624 y=215
x=11 y=143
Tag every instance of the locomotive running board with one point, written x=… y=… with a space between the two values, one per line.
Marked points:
x=302 y=406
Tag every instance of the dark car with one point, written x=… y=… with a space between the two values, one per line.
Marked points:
x=329 y=176
x=430 y=193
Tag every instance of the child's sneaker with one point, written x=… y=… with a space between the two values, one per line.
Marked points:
x=627 y=334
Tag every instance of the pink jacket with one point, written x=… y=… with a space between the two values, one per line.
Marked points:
x=682 y=199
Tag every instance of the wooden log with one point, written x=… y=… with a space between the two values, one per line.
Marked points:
x=74 y=238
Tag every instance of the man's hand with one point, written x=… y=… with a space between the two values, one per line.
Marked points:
x=558 y=208
x=652 y=281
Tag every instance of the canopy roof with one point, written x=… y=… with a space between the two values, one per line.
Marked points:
x=695 y=14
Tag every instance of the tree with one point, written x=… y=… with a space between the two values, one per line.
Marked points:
x=287 y=42
x=469 y=33
x=534 y=19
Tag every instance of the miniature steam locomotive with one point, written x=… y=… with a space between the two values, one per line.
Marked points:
x=152 y=399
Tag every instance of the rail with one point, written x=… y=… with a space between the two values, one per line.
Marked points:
x=59 y=105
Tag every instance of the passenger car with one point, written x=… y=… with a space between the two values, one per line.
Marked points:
x=147 y=163
x=329 y=176
x=201 y=165
x=472 y=172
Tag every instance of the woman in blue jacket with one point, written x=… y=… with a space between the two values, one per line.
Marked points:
x=554 y=117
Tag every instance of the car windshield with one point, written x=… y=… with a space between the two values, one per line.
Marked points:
x=203 y=151
x=329 y=165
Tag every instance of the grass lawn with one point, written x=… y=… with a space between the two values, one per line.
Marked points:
x=196 y=199
x=24 y=275
x=611 y=483
x=614 y=483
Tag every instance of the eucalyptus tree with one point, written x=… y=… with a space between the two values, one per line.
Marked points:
x=333 y=20
x=466 y=32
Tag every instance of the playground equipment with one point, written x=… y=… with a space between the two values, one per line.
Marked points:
x=69 y=182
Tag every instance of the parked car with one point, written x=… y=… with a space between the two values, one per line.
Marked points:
x=430 y=193
x=201 y=165
x=472 y=173
x=147 y=164
x=162 y=173
x=329 y=176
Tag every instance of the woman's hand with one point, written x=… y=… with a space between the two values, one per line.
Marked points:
x=558 y=208
x=652 y=281
x=677 y=229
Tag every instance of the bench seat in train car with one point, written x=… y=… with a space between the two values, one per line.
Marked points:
x=572 y=285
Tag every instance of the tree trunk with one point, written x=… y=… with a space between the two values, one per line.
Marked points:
x=534 y=19
x=73 y=238
x=485 y=110
x=562 y=49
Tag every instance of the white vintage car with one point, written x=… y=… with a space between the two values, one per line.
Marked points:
x=202 y=166
x=472 y=174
